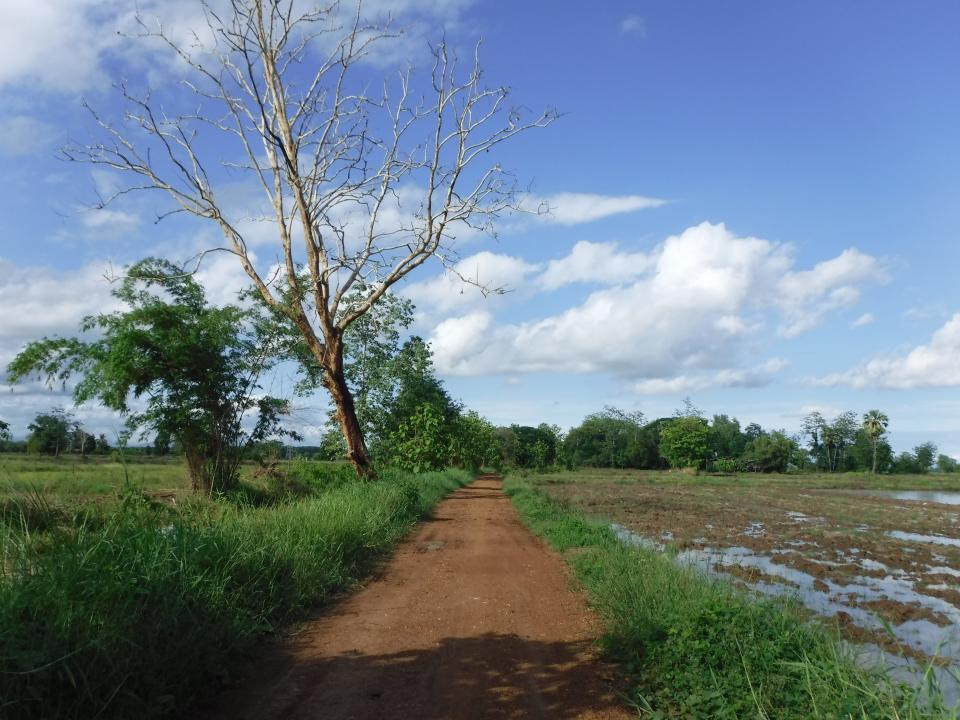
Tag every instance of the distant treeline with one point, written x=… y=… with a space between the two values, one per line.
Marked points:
x=848 y=443
x=425 y=429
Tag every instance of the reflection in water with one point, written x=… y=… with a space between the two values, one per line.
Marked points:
x=932 y=496
x=917 y=537
x=828 y=597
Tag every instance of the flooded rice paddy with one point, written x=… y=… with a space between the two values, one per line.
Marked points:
x=883 y=566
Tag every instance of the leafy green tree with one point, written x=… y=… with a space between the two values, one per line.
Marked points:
x=332 y=445
x=536 y=446
x=752 y=432
x=50 y=432
x=609 y=438
x=813 y=424
x=830 y=440
x=81 y=441
x=507 y=446
x=685 y=441
x=539 y=454
x=906 y=463
x=161 y=443
x=770 y=452
x=865 y=454
x=726 y=439
x=474 y=442
x=875 y=425
x=947 y=464
x=103 y=445
x=925 y=454
x=5 y=434
x=842 y=432
x=421 y=442
x=415 y=384
x=374 y=359
x=195 y=367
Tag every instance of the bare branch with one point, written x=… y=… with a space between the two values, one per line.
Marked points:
x=281 y=93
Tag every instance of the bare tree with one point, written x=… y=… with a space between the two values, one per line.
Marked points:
x=281 y=94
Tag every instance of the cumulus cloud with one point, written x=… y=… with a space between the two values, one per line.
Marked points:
x=595 y=262
x=686 y=310
x=40 y=301
x=223 y=278
x=449 y=292
x=575 y=208
x=54 y=44
x=62 y=46
x=806 y=296
x=753 y=377
x=933 y=364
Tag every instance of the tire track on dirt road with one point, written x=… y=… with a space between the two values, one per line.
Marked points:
x=472 y=617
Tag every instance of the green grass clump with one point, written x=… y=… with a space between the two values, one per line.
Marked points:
x=150 y=609
x=693 y=647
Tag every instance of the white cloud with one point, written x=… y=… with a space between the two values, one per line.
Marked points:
x=24 y=135
x=448 y=292
x=864 y=319
x=222 y=276
x=576 y=208
x=37 y=302
x=931 y=365
x=731 y=378
x=54 y=44
x=40 y=301
x=113 y=221
x=687 y=310
x=807 y=296
x=62 y=46
x=595 y=262
x=455 y=342
x=633 y=25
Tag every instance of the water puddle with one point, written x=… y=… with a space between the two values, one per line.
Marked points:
x=828 y=597
x=628 y=537
x=917 y=537
x=942 y=570
x=930 y=496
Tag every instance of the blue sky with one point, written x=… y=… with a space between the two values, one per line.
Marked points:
x=754 y=204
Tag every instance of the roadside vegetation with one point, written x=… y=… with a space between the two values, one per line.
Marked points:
x=695 y=647
x=139 y=608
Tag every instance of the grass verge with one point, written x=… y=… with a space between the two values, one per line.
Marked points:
x=693 y=647
x=148 y=610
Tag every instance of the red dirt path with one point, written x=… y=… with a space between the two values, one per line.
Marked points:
x=471 y=618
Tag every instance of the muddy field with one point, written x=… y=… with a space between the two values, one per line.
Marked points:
x=884 y=565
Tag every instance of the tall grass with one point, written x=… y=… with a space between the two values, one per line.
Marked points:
x=145 y=612
x=693 y=647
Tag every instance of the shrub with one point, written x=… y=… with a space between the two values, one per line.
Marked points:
x=727 y=465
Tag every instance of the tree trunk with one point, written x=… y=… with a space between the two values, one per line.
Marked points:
x=875 y=456
x=336 y=384
x=196 y=468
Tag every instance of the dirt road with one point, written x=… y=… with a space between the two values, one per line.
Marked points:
x=471 y=618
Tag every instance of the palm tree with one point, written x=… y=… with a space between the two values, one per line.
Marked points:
x=875 y=425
